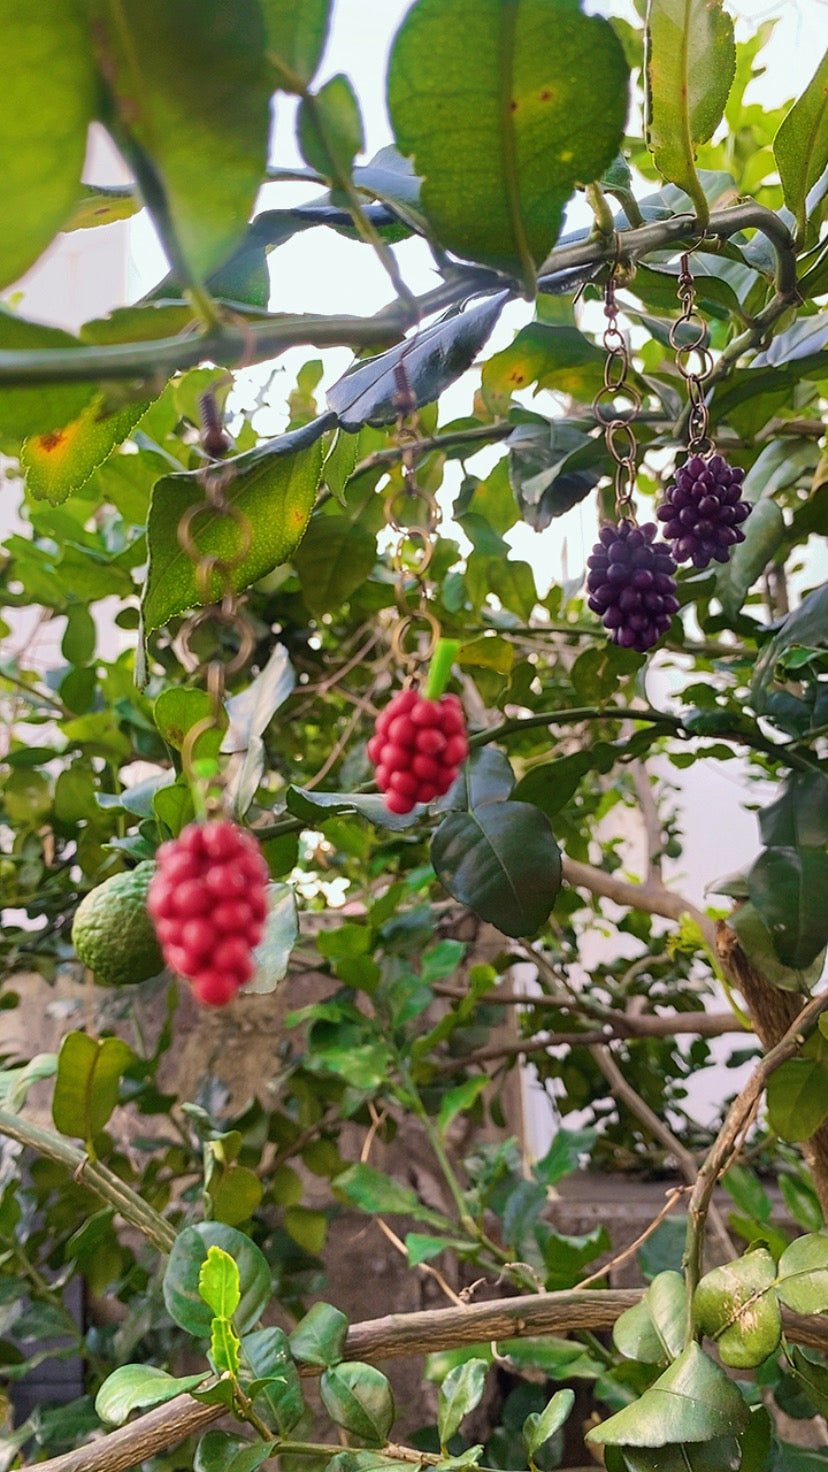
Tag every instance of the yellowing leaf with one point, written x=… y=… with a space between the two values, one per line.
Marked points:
x=61 y=461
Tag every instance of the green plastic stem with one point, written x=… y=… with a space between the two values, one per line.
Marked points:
x=440 y=668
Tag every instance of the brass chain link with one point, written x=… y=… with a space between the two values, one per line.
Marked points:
x=415 y=546
x=217 y=613
x=619 y=435
x=688 y=337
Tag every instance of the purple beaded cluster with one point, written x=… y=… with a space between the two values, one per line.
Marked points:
x=630 y=583
x=703 y=511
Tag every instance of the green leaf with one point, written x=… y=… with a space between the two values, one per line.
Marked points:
x=190 y=97
x=372 y=1191
x=757 y=944
x=235 y=1192
x=540 y=1426
x=734 y=1305
x=358 y=1398
x=43 y=406
x=798 y=817
x=691 y=62
x=764 y=532
x=460 y=1392
x=319 y=1338
x=552 y=467
x=797 y=1097
x=47 y=83
x=225 y=1451
x=433 y=358
x=788 y=887
x=554 y=356
x=182 y=1298
x=502 y=861
x=692 y=1401
x=58 y=463
x=329 y=129
x=653 y=1330
x=459 y=1099
x=266 y=1359
x=276 y=495
x=801 y=145
x=334 y=560
x=224 y=1346
x=486 y=777
x=803 y=1274
x=807 y=625
x=249 y=714
x=88 y=1078
x=296 y=35
x=505 y=107
x=135 y=1387
x=719 y=1455
x=218 y=1283
x=102 y=204
x=315 y=807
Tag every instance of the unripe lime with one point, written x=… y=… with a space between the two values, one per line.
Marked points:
x=113 y=933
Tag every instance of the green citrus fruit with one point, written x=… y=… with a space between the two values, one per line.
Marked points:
x=113 y=933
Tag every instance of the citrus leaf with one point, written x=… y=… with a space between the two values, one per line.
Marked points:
x=272 y=954
x=788 y=887
x=720 y=1455
x=433 y=358
x=276 y=495
x=803 y=1274
x=734 y=1305
x=653 y=1330
x=235 y=1192
x=797 y=1097
x=266 y=1358
x=61 y=461
x=135 y=1387
x=801 y=144
x=502 y=861
x=190 y=96
x=315 y=807
x=691 y=62
x=44 y=406
x=102 y=204
x=224 y=1346
x=692 y=1401
x=335 y=558
x=296 y=35
x=485 y=777
x=47 y=83
x=218 y=1283
x=798 y=817
x=755 y=940
x=460 y=1392
x=223 y=1451
x=540 y=1426
x=358 y=1398
x=89 y=1073
x=329 y=128
x=764 y=531
x=505 y=107
x=319 y=1338
x=183 y=1301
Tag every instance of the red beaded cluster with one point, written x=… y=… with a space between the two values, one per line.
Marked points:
x=208 y=900
x=417 y=748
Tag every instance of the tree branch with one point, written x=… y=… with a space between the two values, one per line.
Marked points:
x=653 y=899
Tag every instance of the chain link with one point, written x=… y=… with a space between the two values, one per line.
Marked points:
x=688 y=338
x=222 y=612
x=413 y=514
x=619 y=434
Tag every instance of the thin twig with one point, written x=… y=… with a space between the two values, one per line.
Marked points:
x=674 y=1195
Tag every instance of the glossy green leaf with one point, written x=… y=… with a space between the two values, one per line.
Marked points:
x=329 y=128
x=182 y=1298
x=788 y=887
x=692 y=1401
x=734 y=1305
x=807 y=625
x=803 y=1274
x=540 y=1426
x=722 y=1454
x=47 y=83
x=296 y=35
x=235 y=1192
x=801 y=145
x=798 y=817
x=691 y=61
x=189 y=89
x=764 y=532
x=757 y=944
x=315 y=807
x=459 y=1393
x=552 y=467
x=797 y=1097
x=555 y=356
x=501 y=140
x=502 y=861
x=334 y=560
x=272 y=954
x=653 y=1330
x=224 y=1346
x=372 y=1191
x=266 y=1359
x=224 y=1451
x=433 y=358
x=319 y=1338
x=218 y=1283
x=58 y=463
x=276 y=495
x=358 y=1397
x=88 y=1079
x=136 y=1387
x=486 y=777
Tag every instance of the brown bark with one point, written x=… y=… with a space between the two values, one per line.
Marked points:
x=772 y=1011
